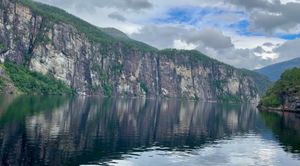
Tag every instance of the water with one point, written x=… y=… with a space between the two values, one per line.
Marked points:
x=134 y=132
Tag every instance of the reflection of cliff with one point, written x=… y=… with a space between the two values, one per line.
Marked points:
x=286 y=128
x=93 y=129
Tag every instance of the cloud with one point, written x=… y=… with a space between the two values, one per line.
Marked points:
x=164 y=36
x=272 y=16
x=238 y=57
x=179 y=44
x=268 y=44
x=288 y=50
x=117 y=16
x=253 y=3
x=209 y=41
x=92 y=4
x=211 y=37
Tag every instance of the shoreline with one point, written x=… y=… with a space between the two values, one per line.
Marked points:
x=270 y=109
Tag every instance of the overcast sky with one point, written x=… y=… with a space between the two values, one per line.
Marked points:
x=244 y=33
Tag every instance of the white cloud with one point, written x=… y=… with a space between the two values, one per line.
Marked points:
x=287 y=1
x=251 y=42
x=288 y=50
x=106 y=21
x=179 y=44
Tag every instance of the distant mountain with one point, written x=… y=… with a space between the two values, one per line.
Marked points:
x=274 y=71
x=115 y=33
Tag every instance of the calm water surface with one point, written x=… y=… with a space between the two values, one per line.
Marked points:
x=135 y=132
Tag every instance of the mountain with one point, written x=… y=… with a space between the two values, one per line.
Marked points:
x=285 y=92
x=274 y=71
x=115 y=33
x=97 y=61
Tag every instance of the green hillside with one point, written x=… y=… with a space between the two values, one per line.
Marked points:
x=30 y=82
x=289 y=81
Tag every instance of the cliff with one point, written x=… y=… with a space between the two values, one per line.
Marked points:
x=285 y=93
x=93 y=61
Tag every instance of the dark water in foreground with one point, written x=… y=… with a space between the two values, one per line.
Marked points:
x=135 y=132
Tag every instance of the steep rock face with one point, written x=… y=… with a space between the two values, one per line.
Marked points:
x=291 y=99
x=97 y=68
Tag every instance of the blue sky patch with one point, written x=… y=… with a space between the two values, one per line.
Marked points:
x=289 y=36
x=205 y=17
x=242 y=28
x=214 y=17
x=187 y=15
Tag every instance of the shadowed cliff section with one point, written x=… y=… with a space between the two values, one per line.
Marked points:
x=97 y=61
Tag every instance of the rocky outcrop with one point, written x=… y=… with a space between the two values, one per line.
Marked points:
x=291 y=99
x=289 y=102
x=98 y=68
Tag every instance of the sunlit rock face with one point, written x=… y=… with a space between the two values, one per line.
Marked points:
x=61 y=50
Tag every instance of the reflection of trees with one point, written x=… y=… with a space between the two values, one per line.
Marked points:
x=13 y=133
x=92 y=129
x=286 y=128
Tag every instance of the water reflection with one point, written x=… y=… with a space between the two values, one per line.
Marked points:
x=73 y=131
x=286 y=128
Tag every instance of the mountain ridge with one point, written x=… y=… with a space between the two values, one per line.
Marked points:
x=274 y=71
x=95 y=63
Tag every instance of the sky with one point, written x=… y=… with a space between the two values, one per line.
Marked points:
x=244 y=33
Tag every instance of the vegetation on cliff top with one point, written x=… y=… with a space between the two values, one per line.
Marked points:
x=289 y=81
x=35 y=83
x=195 y=55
